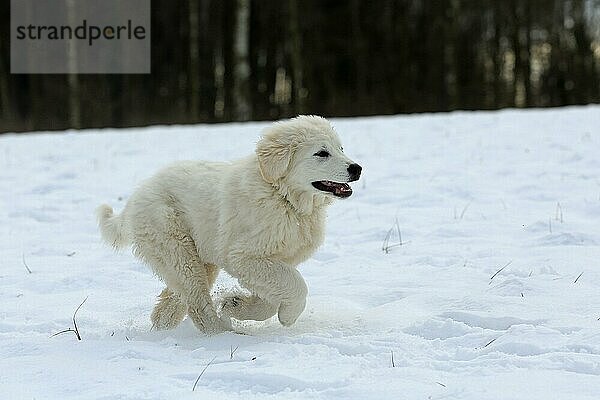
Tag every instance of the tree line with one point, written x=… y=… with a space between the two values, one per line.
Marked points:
x=236 y=60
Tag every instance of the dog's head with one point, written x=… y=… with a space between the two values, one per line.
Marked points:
x=305 y=154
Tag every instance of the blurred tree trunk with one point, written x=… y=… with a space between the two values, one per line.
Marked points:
x=194 y=67
x=497 y=56
x=296 y=56
x=115 y=84
x=257 y=55
x=241 y=66
x=207 y=59
x=360 y=57
x=451 y=58
x=437 y=70
x=556 y=80
x=224 y=69
x=516 y=47
x=584 y=74
x=397 y=60
x=462 y=58
x=527 y=58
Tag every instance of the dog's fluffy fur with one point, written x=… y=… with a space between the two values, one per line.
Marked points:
x=257 y=218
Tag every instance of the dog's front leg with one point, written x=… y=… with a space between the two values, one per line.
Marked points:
x=277 y=283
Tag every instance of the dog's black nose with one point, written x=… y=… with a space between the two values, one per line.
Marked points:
x=354 y=171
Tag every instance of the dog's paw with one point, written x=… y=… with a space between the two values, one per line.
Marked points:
x=217 y=329
x=206 y=320
x=229 y=304
x=243 y=307
x=213 y=326
x=161 y=322
x=167 y=313
x=289 y=312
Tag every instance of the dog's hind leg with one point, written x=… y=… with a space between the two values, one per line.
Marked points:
x=169 y=311
x=211 y=273
x=165 y=244
x=244 y=307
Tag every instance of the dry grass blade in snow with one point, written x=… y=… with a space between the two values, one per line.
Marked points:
x=75 y=329
x=232 y=351
x=500 y=270
x=202 y=373
x=25 y=264
x=464 y=210
x=386 y=246
x=559 y=213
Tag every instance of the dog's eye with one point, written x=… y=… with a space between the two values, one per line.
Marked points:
x=322 y=153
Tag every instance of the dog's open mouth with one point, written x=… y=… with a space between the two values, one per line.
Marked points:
x=337 y=189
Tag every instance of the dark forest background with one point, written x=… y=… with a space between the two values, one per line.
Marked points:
x=235 y=60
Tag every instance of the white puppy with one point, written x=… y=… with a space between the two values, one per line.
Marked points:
x=257 y=218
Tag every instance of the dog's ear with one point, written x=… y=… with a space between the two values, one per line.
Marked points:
x=274 y=152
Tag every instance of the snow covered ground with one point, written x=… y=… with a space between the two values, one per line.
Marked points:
x=471 y=193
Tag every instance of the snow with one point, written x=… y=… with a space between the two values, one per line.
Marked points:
x=471 y=193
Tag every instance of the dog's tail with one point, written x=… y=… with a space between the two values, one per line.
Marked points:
x=112 y=227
